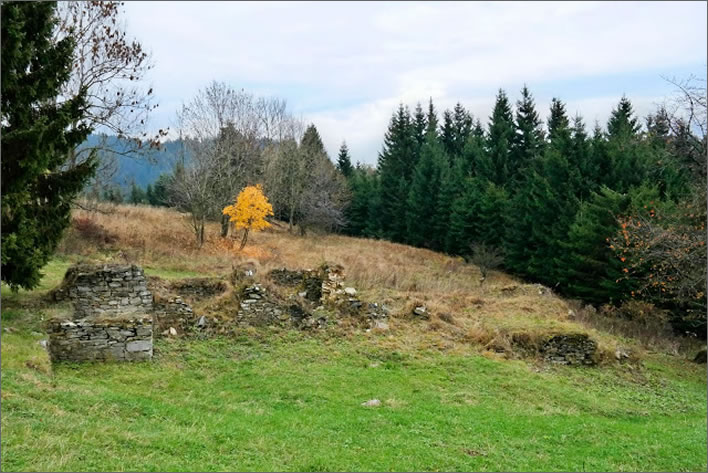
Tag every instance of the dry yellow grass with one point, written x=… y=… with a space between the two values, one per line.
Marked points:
x=463 y=313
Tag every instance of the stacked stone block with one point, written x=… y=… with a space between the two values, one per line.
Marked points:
x=112 y=317
x=127 y=338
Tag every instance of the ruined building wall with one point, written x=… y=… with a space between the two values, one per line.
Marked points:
x=112 y=318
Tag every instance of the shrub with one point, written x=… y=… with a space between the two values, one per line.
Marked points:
x=92 y=231
x=485 y=257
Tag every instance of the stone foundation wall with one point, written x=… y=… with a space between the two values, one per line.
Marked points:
x=112 y=317
x=571 y=349
x=126 y=338
x=105 y=289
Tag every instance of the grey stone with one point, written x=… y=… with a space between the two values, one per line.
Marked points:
x=371 y=403
x=350 y=291
x=138 y=345
x=380 y=325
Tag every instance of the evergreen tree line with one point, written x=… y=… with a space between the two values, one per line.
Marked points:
x=549 y=199
x=155 y=194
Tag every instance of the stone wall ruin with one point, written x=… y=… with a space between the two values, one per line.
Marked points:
x=126 y=338
x=112 y=318
x=106 y=289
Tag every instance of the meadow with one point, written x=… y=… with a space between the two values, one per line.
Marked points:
x=282 y=399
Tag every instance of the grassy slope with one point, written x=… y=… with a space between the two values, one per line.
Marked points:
x=287 y=402
x=281 y=400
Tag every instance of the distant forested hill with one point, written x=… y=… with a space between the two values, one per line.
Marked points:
x=140 y=166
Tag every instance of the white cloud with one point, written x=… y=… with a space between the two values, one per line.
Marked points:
x=348 y=64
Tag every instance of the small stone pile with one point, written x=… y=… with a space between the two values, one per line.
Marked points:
x=344 y=299
x=570 y=349
x=257 y=308
x=332 y=277
x=172 y=312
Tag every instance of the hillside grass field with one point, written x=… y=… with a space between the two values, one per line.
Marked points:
x=281 y=399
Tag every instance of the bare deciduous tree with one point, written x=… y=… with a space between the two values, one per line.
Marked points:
x=225 y=133
x=325 y=198
x=686 y=114
x=111 y=68
x=486 y=258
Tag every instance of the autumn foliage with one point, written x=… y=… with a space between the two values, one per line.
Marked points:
x=250 y=211
x=664 y=251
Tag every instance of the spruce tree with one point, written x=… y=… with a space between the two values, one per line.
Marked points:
x=463 y=129
x=37 y=191
x=149 y=196
x=358 y=212
x=456 y=129
x=474 y=154
x=161 y=189
x=344 y=161
x=626 y=155
x=419 y=124
x=451 y=185
x=462 y=226
x=528 y=140
x=478 y=215
x=447 y=133
x=544 y=205
x=395 y=165
x=431 y=119
x=588 y=268
x=622 y=121
x=558 y=126
x=311 y=140
x=599 y=158
x=496 y=164
x=424 y=193
x=137 y=196
x=581 y=157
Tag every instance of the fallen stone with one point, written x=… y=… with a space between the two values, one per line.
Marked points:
x=202 y=322
x=172 y=331
x=350 y=291
x=379 y=325
x=371 y=403
x=420 y=310
x=621 y=354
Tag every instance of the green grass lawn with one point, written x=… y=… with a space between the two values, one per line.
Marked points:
x=284 y=401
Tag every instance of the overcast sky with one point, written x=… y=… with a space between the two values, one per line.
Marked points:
x=345 y=66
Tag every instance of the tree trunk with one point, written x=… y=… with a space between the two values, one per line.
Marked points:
x=243 y=241
x=201 y=233
x=224 y=226
x=290 y=221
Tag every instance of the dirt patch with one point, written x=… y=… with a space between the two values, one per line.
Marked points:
x=198 y=288
x=285 y=277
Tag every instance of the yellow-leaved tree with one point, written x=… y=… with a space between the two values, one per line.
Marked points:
x=250 y=211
